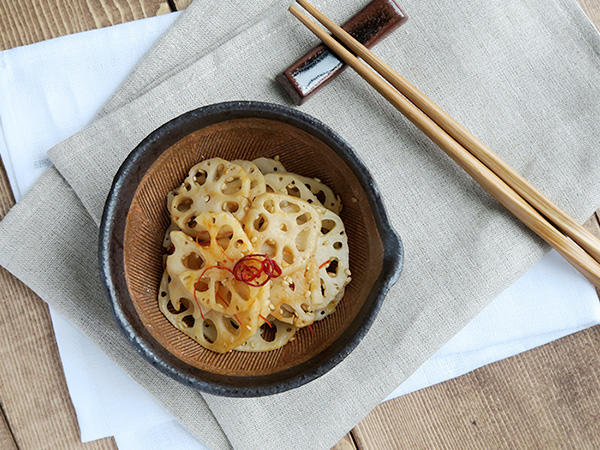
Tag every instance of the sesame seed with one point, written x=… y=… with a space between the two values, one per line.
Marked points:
x=249 y=327
x=276 y=158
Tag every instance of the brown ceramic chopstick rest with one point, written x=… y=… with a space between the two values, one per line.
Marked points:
x=319 y=66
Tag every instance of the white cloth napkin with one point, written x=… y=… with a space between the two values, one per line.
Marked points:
x=59 y=85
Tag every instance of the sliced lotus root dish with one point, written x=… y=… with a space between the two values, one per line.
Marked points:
x=214 y=185
x=213 y=330
x=332 y=254
x=206 y=271
x=253 y=254
x=269 y=165
x=296 y=296
x=284 y=228
x=257 y=179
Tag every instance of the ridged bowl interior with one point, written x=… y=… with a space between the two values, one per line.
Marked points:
x=134 y=269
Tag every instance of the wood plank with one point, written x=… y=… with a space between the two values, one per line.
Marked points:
x=346 y=443
x=33 y=391
x=592 y=9
x=27 y=21
x=538 y=399
x=181 y=4
x=7 y=441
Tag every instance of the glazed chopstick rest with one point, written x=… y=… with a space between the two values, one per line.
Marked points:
x=320 y=65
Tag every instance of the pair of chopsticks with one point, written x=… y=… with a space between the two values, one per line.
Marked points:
x=577 y=245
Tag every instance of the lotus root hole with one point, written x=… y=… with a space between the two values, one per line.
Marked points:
x=234 y=324
x=287 y=255
x=223 y=294
x=189 y=321
x=269 y=248
x=302 y=218
x=293 y=191
x=182 y=307
x=260 y=223
x=321 y=197
x=283 y=227
x=219 y=172
x=232 y=186
x=288 y=207
x=338 y=245
x=286 y=311
x=224 y=236
x=192 y=222
x=302 y=240
x=267 y=333
x=209 y=331
x=231 y=207
x=203 y=237
x=185 y=204
x=243 y=290
x=193 y=261
x=270 y=206
x=202 y=285
x=332 y=268
x=199 y=179
x=326 y=226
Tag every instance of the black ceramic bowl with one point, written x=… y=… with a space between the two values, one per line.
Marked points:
x=135 y=219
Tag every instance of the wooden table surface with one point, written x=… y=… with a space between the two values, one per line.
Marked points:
x=547 y=397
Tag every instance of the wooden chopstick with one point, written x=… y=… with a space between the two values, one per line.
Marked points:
x=490 y=181
x=558 y=217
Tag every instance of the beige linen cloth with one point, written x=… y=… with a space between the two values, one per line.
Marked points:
x=523 y=75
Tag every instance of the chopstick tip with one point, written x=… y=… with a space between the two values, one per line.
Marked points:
x=295 y=11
